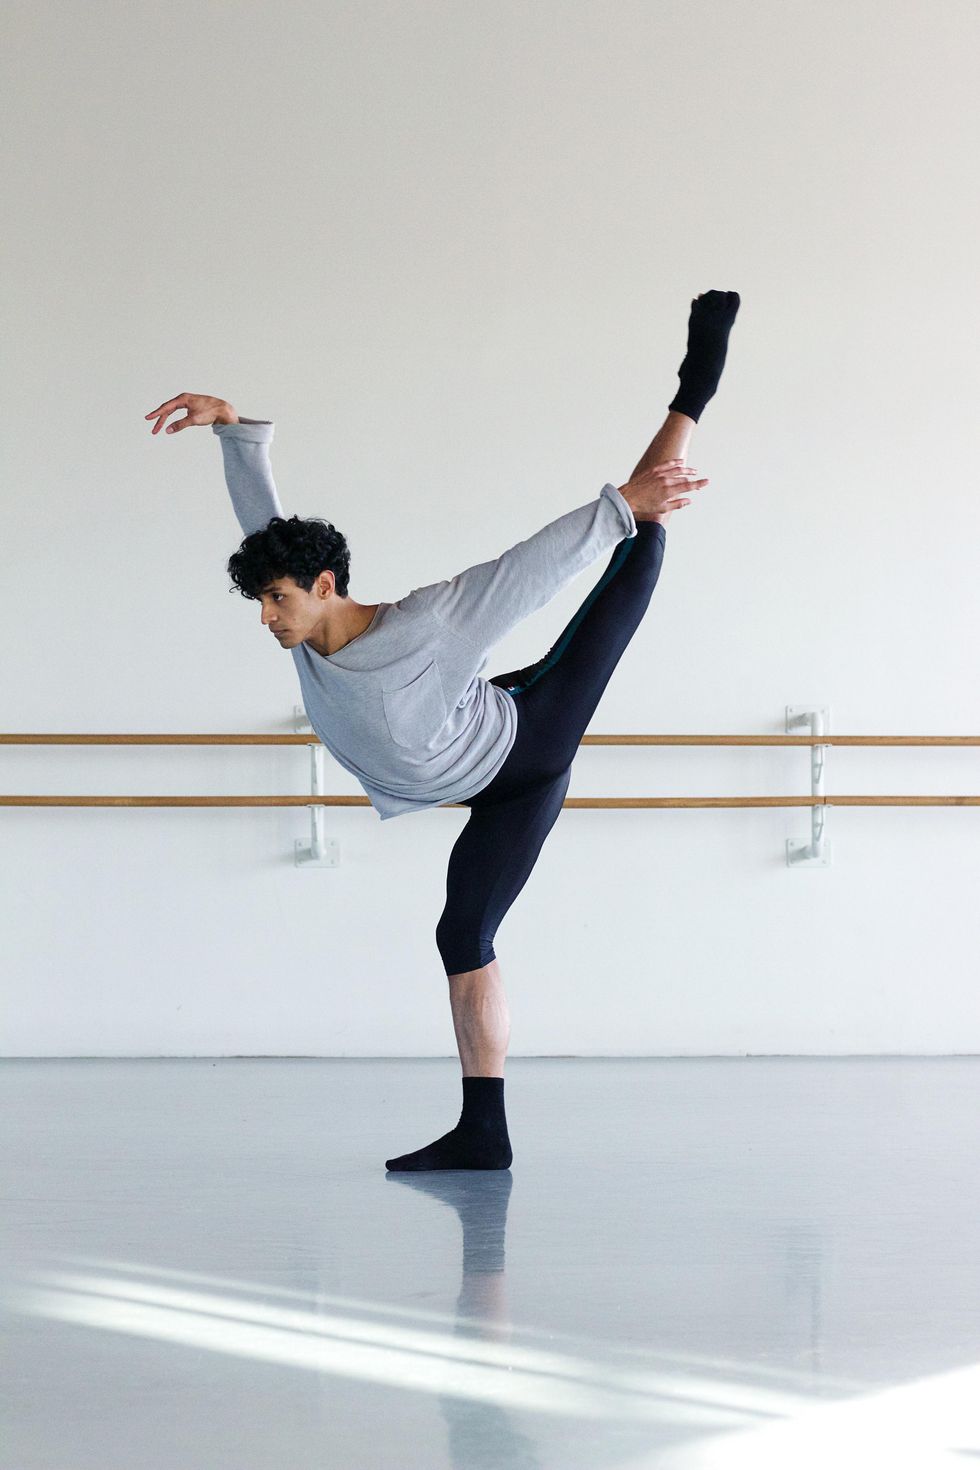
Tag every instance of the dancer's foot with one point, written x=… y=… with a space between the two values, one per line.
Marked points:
x=479 y=1140
x=457 y=1150
x=712 y=316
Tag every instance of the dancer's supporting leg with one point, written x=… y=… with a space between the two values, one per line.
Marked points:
x=491 y=860
x=481 y=1017
x=481 y=1020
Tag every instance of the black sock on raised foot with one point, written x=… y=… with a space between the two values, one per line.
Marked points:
x=479 y=1140
x=712 y=315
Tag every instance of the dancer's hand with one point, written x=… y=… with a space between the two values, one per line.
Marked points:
x=200 y=410
x=656 y=494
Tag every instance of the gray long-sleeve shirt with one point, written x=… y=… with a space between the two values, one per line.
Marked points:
x=402 y=705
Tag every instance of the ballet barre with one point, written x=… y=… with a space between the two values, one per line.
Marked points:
x=325 y=853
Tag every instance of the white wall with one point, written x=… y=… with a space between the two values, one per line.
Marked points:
x=449 y=249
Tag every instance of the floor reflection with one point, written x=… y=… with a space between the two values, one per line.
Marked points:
x=482 y=1435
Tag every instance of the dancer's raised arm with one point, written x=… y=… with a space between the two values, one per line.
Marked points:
x=245 y=450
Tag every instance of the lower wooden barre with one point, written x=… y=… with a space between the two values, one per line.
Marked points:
x=612 y=802
x=303 y=739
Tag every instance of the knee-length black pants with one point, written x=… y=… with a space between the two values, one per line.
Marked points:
x=555 y=699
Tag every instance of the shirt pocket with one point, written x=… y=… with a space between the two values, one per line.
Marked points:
x=417 y=711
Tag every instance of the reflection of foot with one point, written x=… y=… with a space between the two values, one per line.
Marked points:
x=484 y=1194
x=481 y=1201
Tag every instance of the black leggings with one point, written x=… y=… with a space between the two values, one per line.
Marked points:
x=555 y=699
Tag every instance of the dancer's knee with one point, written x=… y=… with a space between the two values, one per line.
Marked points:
x=461 y=947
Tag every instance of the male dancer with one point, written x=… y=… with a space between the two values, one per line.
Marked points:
x=393 y=689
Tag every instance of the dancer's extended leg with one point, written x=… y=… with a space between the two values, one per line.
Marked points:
x=671 y=441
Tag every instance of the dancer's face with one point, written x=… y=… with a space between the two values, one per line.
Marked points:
x=292 y=614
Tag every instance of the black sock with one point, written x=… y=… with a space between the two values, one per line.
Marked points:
x=479 y=1140
x=712 y=315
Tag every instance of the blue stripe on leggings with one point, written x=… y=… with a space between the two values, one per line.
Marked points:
x=555 y=653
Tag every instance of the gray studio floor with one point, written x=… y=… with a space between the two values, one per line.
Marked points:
x=692 y=1263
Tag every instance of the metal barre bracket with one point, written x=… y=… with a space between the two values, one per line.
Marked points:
x=321 y=853
x=816 y=852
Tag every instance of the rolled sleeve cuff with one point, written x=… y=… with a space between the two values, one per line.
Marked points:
x=623 y=508
x=258 y=431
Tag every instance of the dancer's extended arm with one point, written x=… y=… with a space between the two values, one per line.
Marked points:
x=484 y=602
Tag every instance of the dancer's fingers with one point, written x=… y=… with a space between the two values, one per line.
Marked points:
x=679 y=500
x=169 y=406
x=162 y=413
x=672 y=467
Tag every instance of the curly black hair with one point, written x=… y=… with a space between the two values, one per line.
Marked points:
x=296 y=548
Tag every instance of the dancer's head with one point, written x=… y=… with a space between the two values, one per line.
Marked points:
x=298 y=569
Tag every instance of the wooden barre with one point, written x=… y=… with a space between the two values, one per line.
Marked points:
x=47 y=739
x=571 y=801
x=574 y=801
